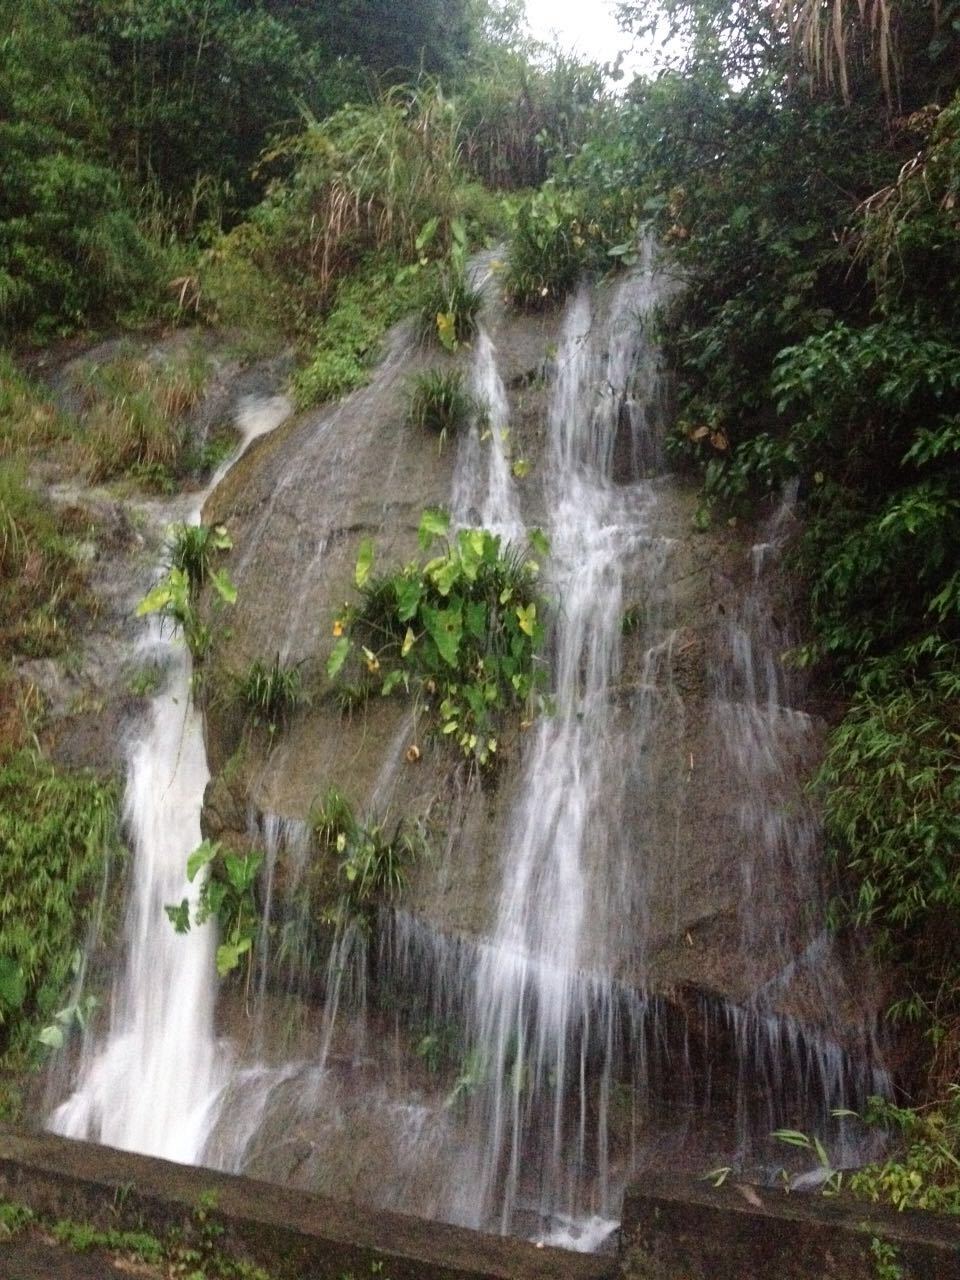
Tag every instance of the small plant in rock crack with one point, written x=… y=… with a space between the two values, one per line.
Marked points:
x=271 y=693
x=228 y=894
x=175 y=598
x=439 y=402
x=372 y=865
x=462 y=632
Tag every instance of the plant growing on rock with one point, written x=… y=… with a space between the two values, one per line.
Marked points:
x=176 y=596
x=453 y=304
x=271 y=693
x=228 y=894
x=548 y=249
x=461 y=632
x=371 y=865
x=439 y=402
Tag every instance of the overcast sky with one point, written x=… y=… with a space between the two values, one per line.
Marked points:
x=586 y=26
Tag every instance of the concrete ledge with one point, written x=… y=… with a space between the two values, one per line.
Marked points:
x=293 y=1234
x=675 y=1229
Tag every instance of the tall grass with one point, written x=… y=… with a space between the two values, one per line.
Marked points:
x=135 y=411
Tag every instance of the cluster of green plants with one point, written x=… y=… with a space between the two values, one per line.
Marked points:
x=440 y=402
x=372 y=864
x=461 y=633
x=176 y=597
x=58 y=833
x=227 y=894
x=271 y=693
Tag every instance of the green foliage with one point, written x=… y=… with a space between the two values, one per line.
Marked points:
x=372 y=865
x=440 y=402
x=191 y=548
x=450 y=312
x=462 y=632
x=548 y=248
x=42 y=586
x=271 y=694
x=58 y=832
x=228 y=895
x=176 y=597
x=70 y=249
x=923 y=1172
x=349 y=340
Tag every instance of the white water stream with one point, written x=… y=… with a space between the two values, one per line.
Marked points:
x=148 y=1085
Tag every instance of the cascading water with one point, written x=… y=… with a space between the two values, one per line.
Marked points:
x=510 y=1073
x=148 y=1085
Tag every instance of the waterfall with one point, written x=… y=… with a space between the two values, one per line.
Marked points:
x=148 y=1085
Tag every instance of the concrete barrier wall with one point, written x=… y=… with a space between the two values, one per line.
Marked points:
x=292 y=1234
x=676 y=1229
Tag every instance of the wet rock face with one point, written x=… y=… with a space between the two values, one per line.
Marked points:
x=622 y=927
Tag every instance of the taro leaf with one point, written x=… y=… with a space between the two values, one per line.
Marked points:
x=391 y=682
x=338 y=657
x=242 y=869
x=445 y=575
x=446 y=628
x=179 y=915
x=224 y=587
x=228 y=955
x=364 y=562
x=427 y=232
x=408 y=592
x=476 y=619
x=201 y=857
x=540 y=542
x=527 y=618
x=52 y=1037
x=13 y=988
x=434 y=523
x=157 y=599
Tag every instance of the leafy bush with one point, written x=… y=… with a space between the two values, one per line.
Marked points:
x=462 y=632
x=924 y=1170
x=440 y=402
x=191 y=549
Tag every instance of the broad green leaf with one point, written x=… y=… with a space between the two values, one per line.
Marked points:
x=157 y=599
x=221 y=540
x=52 y=1037
x=540 y=542
x=364 y=563
x=391 y=682
x=179 y=915
x=446 y=574
x=228 y=955
x=458 y=231
x=526 y=618
x=409 y=591
x=446 y=628
x=224 y=587
x=476 y=619
x=338 y=656
x=201 y=857
x=434 y=523
x=521 y=468
x=427 y=233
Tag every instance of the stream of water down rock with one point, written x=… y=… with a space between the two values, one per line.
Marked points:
x=574 y=1072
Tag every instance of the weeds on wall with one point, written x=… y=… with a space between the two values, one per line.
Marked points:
x=227 y=894
x=176 y=597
